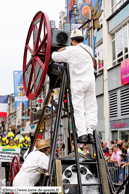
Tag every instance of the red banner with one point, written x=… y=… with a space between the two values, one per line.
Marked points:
x=125 y=72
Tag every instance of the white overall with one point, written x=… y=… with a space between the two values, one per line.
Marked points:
x=82 y=86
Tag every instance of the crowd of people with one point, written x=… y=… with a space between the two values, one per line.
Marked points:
x=118 y=155
x=15 y=141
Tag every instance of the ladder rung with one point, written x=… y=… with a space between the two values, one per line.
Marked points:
x=88 y=184
x=88 y=162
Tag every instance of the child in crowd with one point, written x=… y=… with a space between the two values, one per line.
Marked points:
x=121 y=173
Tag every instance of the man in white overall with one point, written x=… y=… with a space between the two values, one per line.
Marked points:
x=82 y=85
x=36 y=160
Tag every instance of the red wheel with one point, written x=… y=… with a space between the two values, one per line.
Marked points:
x=14 y=169
x=36 y=55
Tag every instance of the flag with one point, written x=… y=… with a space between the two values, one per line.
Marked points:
x=3 y=106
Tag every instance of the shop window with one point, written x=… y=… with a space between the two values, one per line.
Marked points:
x=120 y=44
x=124 y=135
x=114 y=135
x=113 y=104
x=99 y=58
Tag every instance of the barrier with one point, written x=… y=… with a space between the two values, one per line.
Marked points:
x=117 y=172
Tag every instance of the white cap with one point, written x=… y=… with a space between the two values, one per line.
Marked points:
x=76 y=33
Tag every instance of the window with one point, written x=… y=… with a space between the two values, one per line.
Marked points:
x=99 y=57
x=102 y=135
x=124 y=101
x=113 y=104
x=119 y=103
x=115 y=4
x=124 y=135
x=114 y=135
x=120 y=44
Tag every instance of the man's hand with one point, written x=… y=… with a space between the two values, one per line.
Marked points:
x=62 y=49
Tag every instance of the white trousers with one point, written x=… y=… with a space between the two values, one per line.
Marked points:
x=22 y=180
x=84 y=105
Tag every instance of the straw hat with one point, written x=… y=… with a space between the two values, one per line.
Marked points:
x=42 y=144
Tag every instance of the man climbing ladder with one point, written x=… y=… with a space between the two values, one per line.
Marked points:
x=82 y=85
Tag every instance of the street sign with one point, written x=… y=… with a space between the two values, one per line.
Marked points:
x=25 y=117
x=7 y=153
x=40 y=100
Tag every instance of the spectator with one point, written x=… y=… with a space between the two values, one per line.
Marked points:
x=115 y=141
x=111 y=143
x=121 y=173
x=124 y=140
x=105 y=153
x=105 y=146
x=119 y=147
x=79 y=150
x=124 y=152
x=101 y=139
x=102 y=144
x=81 y=147
x=110 y=152
x=72 y=146
x=63 y=146
x=128 y=147
x=120 y=142
x=125 y=145
x=86 y=152
x=115 y=156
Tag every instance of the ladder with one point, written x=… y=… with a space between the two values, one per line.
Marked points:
x=61 y=78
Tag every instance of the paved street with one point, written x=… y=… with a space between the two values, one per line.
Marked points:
x=2 y=176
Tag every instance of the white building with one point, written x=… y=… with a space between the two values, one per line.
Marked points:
x=112 y=49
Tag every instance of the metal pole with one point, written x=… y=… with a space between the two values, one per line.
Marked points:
x=99 y=165
x=89 y=31
x=40 y=120
x=56 y=127
x=74 y=136
x=51 y=123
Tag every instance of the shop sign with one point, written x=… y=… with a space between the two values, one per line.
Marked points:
x=7 y=153
x=125 y=72
x=99 y=35
x=25 y=117
x=124 y=123
x=119 y=18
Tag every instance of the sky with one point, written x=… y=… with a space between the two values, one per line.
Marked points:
x=15 y=19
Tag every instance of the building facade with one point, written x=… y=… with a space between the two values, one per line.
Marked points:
x=112 y=49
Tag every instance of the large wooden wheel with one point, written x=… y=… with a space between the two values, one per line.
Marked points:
x=36 y=55
x=14 y=169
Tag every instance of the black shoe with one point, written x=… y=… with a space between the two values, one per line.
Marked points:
x=82 y=139
x=91 y=138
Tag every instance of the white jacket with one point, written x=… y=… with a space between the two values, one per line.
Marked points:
x=81 y=67
x=28 y=174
